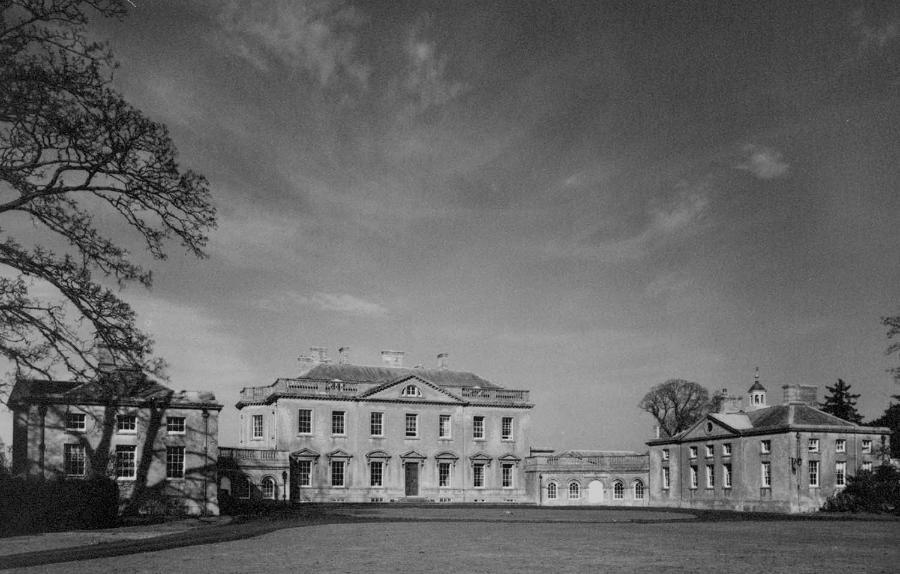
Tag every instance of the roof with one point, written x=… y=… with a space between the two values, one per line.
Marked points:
x=757 y=386
x=123 y=385
x=364 y=374
x=777 y=418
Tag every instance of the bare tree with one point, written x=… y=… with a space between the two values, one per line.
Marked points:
x=72 y=148
x=677 y=404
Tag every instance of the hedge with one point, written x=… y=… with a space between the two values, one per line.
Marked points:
x=30 y=505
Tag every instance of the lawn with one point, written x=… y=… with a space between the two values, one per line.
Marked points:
x=526 y=540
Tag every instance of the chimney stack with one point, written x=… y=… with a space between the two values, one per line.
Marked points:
x=319 y=354
x=392 y=358
x=809 y=395
x=442 y=361
x=791 y=394
x=344 y=356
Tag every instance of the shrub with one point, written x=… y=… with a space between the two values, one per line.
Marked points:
x=31 y=505
x=868 y=491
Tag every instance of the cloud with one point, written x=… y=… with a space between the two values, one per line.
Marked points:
x=874 y=37
x=319 y=37
x=425 y=84
x=763 y=162
x=343 y=303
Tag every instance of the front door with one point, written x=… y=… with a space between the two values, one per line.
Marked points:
x=412 y=478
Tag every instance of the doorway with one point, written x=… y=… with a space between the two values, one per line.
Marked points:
x=595 y=492
x=412 y=478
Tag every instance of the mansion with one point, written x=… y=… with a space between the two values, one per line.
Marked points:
x=346 y=433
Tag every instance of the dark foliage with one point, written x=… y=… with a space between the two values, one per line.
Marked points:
x=677 y=404
x=891 y=420
x=893 y=325
x=869 y=491
x=31 y=505
x=841 y=403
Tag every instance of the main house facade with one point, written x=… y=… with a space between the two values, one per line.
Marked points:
x=342 y=432
x=784 y=458
x=159 y=445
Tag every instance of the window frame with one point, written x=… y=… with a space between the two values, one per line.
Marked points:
x=638 y=489
x=665 y=454
x=445 y=431
x=552 y=491
x=812 y=445
x=695 y=477
x=478 y=475
x=726 y=449
x=618 y=490
x=574 y=490
x=333 y=466
x=74 y=458
x=726 y=475
x=124 y=462
x=507 y=476
x=130 y=428
x=507 y=430
x=765 y=446
x=338 y=423
x=710 y=451
x=376 y=419
x=666 y=478
x=866 y=446
x=376 y=479
x=175 y=462
x=478 y=432
x=765 y=474
x=840 y=445
x=411 y=390
x=692 y=452
x=411 y=430
x=305 y=420
x=710 y=476
x=813 y=474
x=268 y=480
x=257 y=432
x=307 y=473
x=72 y=425
x=445 y=479
x=840 y=473
x=174 y=423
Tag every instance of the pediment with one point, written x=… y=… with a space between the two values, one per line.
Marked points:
x=708 y=428
x=305 y=453
x=508 y=457
x=412 y=455
x=411 y=389
x=339 y=453
x=379 y=454
x=481 y=458
x=447 y=455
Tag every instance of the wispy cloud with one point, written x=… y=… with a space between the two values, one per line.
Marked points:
x=319 y=37
x=763 y=162
x=342 y=303
x=874 y=36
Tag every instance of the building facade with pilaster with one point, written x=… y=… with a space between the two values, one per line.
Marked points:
x=341 y=432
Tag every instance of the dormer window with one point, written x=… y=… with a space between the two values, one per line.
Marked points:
x=411 y=391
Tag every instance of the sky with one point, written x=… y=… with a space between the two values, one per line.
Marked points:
x=579 y=199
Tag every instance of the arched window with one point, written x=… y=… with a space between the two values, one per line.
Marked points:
x=618 y=490
x=638 y=490
x=551 y=491
x=411 y=391
x=268 y=488
x=241 y=487
x=574 y=490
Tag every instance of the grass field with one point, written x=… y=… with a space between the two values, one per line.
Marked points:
x=533 y=540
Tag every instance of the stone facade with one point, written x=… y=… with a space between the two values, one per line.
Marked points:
x=586 y=478
x=783 y=458
x=342 y=432
x=159 y=445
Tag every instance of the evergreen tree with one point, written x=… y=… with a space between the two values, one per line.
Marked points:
x=891 y=420
x=841 y=403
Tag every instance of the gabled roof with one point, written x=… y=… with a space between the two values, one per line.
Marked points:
x=365 y=374
x=416 y=379
x=124 y=386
